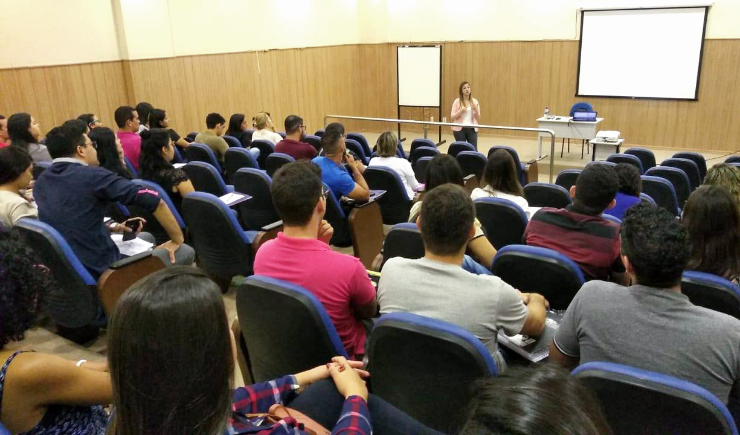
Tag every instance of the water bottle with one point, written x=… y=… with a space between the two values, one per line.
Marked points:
x=547 y=112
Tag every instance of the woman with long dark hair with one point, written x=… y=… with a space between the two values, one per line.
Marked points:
x=466 y=110
x=501 y=180
x=238 y=127
x=15 y=175
x=24 y=133
x=157 y=152
x=110 y=152
x=158 y=119
x=712 y=218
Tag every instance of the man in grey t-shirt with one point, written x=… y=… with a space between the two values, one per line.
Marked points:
x=651 y=325
x=437 y=286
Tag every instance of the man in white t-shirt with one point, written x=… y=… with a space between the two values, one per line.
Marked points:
x=436 y=286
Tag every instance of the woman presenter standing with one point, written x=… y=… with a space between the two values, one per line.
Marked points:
x=466 y=110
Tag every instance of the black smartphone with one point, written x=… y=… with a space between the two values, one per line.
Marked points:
x=130 y=235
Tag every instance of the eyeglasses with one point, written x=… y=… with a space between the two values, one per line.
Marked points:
x=92 y=144
x=302 y=126
x=324 y=193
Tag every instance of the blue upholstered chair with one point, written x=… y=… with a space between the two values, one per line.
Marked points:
x=697 y=158
x=403 y=240
x=314 y=141
x=420 y=168
x=711 y=291
x=259 y=211
x=198 y=152
x=275 y=161
x=677 y=178
x=420 y=152
x=567 y=178
x=662 y=192
x=647 y=198
x=39 y=168
x=689 y=167
x=628 y=159
x=502 y=220
x=395 y=205
x=421 y=143
x=356 y=148
x=546 y=195
x=266 y=148
x=459 y=146
x=232 y=141
x=235 y=159
x=206 y=178
x=362 y=140
x=472 y=162
x=647 y=158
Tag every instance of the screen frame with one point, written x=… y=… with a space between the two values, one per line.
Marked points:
x=701 y=53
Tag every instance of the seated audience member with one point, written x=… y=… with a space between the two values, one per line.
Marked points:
x=543 y=400
x=651 y=325
x=158 y=119
x=143 y=109
x=157 y=151
x=72 y=196
x=90 y=120
x=24 y=133
x=501 y=180
x=436 y=286
x=265 y=129
x=712 y=219
x=127 y=121
x=335 y=126
x=333 y=172
x=344 y=289
x=445 y=169
x=578 y=231
x=238 y=127
x=15 y=175
x=726 y=175
x=154 y=390
x=387 y=146
x=41 y=393
x=216 y=125
x=110 y=151
x=630 y=186
x=293 y=144
x=4 y=138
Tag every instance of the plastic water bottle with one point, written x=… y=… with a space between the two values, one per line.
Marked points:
x=547 y=112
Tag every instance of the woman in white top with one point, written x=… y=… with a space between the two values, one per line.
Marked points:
x=15 y=174
x=387 y=145
x=466 y=110
x=501 y=180
x=265 y=129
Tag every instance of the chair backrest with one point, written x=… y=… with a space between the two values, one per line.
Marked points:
x=198 y=152
x=711 y=291
x=421 y=143
x=232 y=141
x=39 y=168
x=514 y=155
x=459 y=146
x=647 y=198
x=224 y=249
x=420 y=168
x=73 y=300
x=275 y=161
x=338 y=219
x=286 y=329
x=247 y=136
x=413 y=359
x=638 y=401
x=628 y=159
x=235 y=159
x=191 y=136
x=403 y=240
x=662 y=191
x=356 y=148
x=472 y=162
x=152 y=224
x=362 y=140
x=614 y=219
x=677 y=178
x=314 y=141
x=647 y=158
x=689 y=167
x=130 y=167
x=395 y=205
x=502 y=220
x=266 y=148
x=4 y=430
x=557 y=277
x=319 y=132
x=697 y=158
x=733 y=159
x=581 y=107
x=258 y=211
x=567 y=178
x=547 y=195
x=420 y=152
x=205 y=177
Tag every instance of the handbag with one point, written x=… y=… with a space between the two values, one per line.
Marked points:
x=280 y=412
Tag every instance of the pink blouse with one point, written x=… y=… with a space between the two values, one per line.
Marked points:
x=457 y=114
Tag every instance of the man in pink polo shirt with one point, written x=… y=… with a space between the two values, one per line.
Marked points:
x=301 y=255
x=128 y=125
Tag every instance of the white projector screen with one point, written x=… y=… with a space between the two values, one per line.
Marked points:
x=641 y=53
x=419 y=76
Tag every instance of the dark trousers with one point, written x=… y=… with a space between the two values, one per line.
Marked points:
x=467 y=134
x=323 y=403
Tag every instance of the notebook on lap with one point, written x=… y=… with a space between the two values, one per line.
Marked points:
x=534 y=349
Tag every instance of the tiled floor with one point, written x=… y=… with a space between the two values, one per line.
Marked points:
x=42 y=339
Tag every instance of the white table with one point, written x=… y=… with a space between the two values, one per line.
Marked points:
x=602 y=144
x=565 y=127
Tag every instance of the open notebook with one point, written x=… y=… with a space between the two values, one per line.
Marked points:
x=534 y=349
x=234 y=198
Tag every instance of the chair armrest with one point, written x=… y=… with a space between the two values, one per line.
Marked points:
x=377 y=262
x=115 y=281
x=531 y=172
x=130 y=260
x=444 y=141
x=272 y=226
x=366 y=228
x=470 y=183
x=265 y=235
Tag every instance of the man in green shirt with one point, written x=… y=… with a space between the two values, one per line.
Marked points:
x=213 y=136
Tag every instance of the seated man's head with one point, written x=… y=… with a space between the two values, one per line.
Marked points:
x=217 y=123
x=127 y=119
x=335 y=126
x=90 y=120
x=630 y=182
x=595 y=189
x=298 y=194
x=446 y=220
x=70 y=140
x=333 y=143
x=294 y=127
x=655 y=246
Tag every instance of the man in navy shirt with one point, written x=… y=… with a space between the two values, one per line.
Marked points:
x=73 y=195
x=333 y=173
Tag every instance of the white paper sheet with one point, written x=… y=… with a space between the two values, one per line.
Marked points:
x=131 y=247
